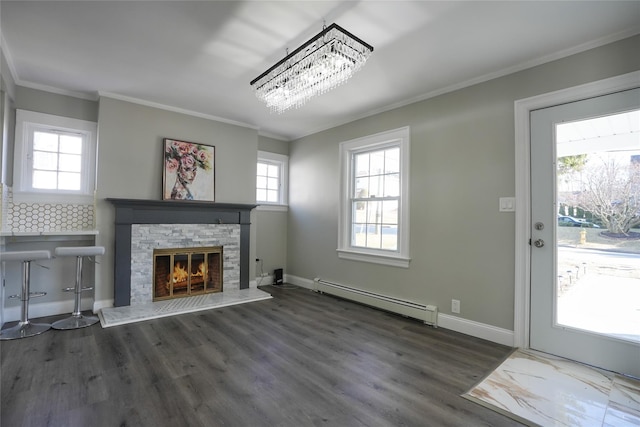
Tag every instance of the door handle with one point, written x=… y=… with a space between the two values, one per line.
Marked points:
x=538 y=243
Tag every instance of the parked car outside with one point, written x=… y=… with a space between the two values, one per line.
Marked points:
x=569 y=221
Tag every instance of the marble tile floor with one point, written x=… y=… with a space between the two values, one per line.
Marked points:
x=543 y=390
x=114 y=316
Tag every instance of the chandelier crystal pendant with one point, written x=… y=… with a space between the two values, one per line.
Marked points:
x=324 y=62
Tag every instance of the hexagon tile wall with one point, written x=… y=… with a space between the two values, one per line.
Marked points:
x=45 y=217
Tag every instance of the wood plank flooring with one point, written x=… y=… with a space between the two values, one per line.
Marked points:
x=299 y=359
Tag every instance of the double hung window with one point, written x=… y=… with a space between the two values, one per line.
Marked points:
x=374 y=210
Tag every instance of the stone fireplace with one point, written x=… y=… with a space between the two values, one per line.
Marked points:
x=146 y=229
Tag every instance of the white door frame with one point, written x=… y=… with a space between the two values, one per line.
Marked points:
x=523 y=184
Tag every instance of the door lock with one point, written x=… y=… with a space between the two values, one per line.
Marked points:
x=539 y=226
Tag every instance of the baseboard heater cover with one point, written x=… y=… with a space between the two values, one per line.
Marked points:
x=426 y=313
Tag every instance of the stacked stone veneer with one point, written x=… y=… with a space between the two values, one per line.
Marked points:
x=147 y=237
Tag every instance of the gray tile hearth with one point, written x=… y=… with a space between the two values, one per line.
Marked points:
x=114 y=316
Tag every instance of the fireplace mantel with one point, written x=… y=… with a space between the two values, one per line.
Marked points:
x=138 y=211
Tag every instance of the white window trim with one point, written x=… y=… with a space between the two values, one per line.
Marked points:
x=26 y=122
x=400 y=258
x=283 y=162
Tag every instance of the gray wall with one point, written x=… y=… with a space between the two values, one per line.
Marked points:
x=52 y=103
x=462 y=161
x=271 y=226
x=272 y=145
x=61 y=272
x=130 y=159
x=7 y=117
x=48 y=103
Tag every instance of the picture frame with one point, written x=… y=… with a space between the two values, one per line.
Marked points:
x=188 y=171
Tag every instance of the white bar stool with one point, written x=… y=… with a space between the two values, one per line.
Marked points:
x=77 y=319
x=25 y=328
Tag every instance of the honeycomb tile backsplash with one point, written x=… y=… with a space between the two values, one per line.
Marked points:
x=44 y=217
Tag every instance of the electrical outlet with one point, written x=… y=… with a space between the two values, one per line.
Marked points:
x=455 y=306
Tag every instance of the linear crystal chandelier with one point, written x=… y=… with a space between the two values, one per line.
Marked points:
x=322 y=63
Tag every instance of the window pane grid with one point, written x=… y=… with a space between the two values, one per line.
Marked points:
x=375 y=199
x=268 y=182
x=57 y=161
x=375 y=224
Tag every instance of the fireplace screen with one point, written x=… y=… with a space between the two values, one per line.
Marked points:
x=182 y=272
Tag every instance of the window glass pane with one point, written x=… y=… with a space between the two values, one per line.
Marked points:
x=377 y=163
x=44 y=180
x=273 y=171
x=71 y=144
x=272 y=196
x=262 y=169
x=359 y=235
x=390 y=212
x=361 y=188
x=261 y=195
x=45 y=160
x=45 y=141
x=272 y=183
x=262 y=182
x=374 y=212
x=392 y=185
x=359 y=213
x=374 y=237
x=362 y=164
x=390 y=237
x=70 y=163
x=392 y=160
x=68 y=181
x=375 y=186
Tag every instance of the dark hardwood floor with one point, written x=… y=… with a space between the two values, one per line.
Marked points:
x=299 y=359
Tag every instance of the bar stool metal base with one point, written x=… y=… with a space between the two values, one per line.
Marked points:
x=75 y=322
x=23 y=330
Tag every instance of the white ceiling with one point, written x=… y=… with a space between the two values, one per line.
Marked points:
x=199 y=56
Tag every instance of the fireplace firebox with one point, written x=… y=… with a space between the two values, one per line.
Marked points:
x=183 y=272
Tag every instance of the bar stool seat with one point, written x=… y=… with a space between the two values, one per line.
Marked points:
x=77 y=319
x=25 y=328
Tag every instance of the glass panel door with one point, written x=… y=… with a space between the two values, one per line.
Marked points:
x=585 y=236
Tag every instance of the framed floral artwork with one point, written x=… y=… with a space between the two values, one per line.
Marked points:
x=189 y=171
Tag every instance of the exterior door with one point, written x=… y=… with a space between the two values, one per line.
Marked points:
x=585 y=236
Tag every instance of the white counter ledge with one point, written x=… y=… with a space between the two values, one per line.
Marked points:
x=48 y=233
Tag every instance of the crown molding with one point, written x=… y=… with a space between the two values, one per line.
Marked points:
x=174 y=109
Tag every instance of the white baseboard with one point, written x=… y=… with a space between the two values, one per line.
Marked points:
x=299 y=281
x=446 y=321
x=53 y=308
x=476 y=329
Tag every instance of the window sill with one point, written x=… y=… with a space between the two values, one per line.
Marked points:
x=393 y=261
x=272 y=208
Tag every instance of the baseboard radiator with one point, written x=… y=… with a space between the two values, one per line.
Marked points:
x=426 y=313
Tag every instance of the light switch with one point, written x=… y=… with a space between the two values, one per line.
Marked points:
x=507 y=204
